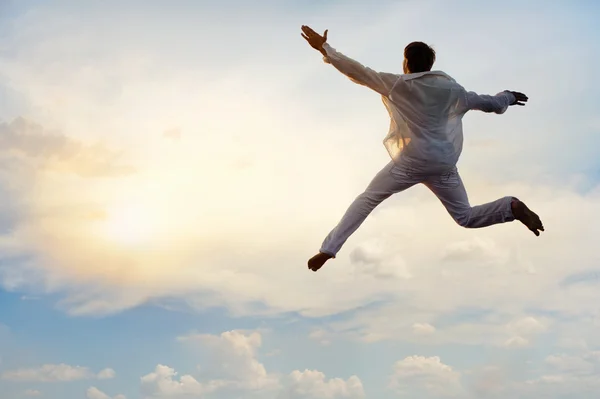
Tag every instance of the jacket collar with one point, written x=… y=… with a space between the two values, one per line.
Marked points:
x=410 y=76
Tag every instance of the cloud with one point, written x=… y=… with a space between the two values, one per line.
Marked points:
x=32 y=392
x=476 y=249
x=490 y=382
x=310 y=384
x=48 y=150
x=523 y=330
x=95 y=393
x=320 y=335
x=106 y=374
x=526 y=325
x=373 y=258
x=49 y=373
x=233 y=355
x=232 y=367
x=560 y=385
x=470 y=326
x=570 y=364
x=516 y=342
x=421 y=376
x=53 y=373
x=163 y=383
x=423 y=329
x=572 y=343
x=557 y=376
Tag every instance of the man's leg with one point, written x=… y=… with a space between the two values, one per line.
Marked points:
x=450 y=189
x=390 y=180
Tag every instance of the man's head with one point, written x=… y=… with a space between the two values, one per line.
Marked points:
x=418 y=57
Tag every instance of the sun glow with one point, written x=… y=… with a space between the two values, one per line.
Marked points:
x=138 y=214
x=131 y=224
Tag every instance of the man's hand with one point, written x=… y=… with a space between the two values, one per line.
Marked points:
x=315 y=40
x=521 y=98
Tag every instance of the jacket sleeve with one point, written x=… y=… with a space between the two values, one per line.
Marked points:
x=486 y=103
x=380 y=82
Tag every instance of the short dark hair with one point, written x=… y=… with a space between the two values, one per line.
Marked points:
x=419 y=57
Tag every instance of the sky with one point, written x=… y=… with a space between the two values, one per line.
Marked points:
x=168 y=168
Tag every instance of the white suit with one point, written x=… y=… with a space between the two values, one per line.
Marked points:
x=425 y=141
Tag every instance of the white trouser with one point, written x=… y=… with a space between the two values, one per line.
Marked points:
x=448 y=187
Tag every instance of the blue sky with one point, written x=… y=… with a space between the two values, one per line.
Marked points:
x=167 y=170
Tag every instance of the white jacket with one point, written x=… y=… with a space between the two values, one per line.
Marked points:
x=426 y=111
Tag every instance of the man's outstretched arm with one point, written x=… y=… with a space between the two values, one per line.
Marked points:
x=497 y=104
x=380 y=82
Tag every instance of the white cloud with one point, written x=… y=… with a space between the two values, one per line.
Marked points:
x=560 y=385
x=55 y=373
x=49 y=373
x=523 y=331
x=495 y=328
x=375 y=259
x=232 y=367
x=106 y=374
x=320 y=335
x=95 y=393
x=572 y=343
x=526 y=326
x=516 y=342
x=32 y=392
x=570 y=364
x=163 y=383
x=419 y=376
x=423 y=328
x=233 y=354
x=489 y=382
x=312 y=384
x=476 y=249
x=559 y=376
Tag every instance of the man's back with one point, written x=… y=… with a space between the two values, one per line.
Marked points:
x=425 y=109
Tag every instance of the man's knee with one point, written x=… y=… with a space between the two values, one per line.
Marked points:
x=463 y=219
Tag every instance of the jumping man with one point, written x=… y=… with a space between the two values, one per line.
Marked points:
x=425 y=141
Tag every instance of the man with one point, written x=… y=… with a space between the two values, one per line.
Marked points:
x=424 y=141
